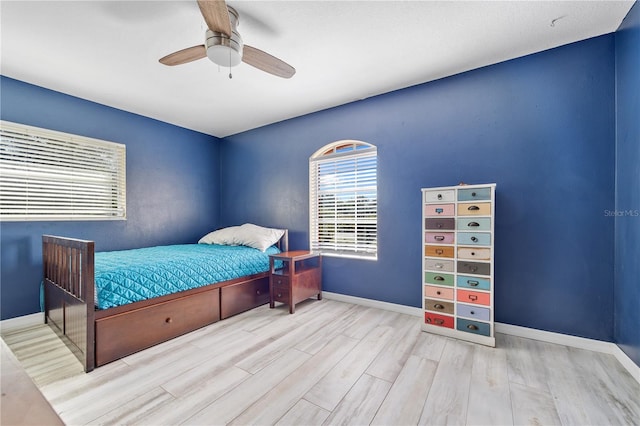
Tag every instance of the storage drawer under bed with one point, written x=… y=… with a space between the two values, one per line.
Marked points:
x=154 y=324
x=240 y=297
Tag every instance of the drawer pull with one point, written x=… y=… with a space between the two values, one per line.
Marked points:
x=438 y=321
x=438 y=306
x=473 y=297
x=472 y=312
x=473 y=224
x=439 y=251
x=439 y=211
x=438 y=292
x=439 y=238
x=473 y=194
x=472 y=327
x=473 y=208
x=438 y=225
x=473 y=283
x=438 y=278
x=438 y=265
x=258 y=292
x=439 y=196
x=279 y=294
x=168 y=320
x=474 y=239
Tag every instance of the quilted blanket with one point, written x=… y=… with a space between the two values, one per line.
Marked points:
x=128 y=276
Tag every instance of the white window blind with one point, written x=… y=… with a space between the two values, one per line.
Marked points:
x=48 y=175
x=344 y=200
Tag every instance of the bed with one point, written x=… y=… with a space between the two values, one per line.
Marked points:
x=99 y=336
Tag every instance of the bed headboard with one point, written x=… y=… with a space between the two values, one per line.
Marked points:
x=283 y=243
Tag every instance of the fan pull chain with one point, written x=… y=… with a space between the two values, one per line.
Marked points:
x=230 y=76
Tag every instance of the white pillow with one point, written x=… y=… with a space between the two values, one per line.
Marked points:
x=224 y=236
x=258 y=237
x=248 y=234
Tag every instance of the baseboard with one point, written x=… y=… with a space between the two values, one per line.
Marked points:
x=513 y=330
x=18 y=323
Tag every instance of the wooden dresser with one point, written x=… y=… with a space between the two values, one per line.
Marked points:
x=458 y=260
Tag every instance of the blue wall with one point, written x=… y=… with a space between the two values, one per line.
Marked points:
x=173 y=186
x=542 y=127
x=627 y=207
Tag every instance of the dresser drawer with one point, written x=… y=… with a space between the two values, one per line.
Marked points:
x=474 y=194
x=473 y=282
x=474 y=253
x=474 y=224
x=435 y=196
x=438 y=251
x=474 y=239
x=438 y=306
x=440 y=223
x=476 y=327
x=439 y=209
x=475 y=297
x=439 y=237
x=438 y=278
x=438 y=292
x=439 y=320
x=438 y=265
x=474 y=209
x=473 y=312
x=477 y=268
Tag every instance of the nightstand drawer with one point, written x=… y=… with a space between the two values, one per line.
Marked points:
x=280 y=281
x=280 y=293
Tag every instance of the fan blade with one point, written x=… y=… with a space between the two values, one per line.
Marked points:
x=216 y=15
x=185 y=55
x=267 y=63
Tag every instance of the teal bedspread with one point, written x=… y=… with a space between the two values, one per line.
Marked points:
x=128 y=276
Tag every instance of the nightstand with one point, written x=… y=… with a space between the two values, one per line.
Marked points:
x=299 y=278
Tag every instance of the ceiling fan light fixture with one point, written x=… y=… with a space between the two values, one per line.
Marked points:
x=222 y=50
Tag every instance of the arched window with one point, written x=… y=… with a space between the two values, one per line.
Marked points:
x=343 y=198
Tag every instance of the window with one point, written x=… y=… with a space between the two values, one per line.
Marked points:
x=343 y=195
x=47 y=175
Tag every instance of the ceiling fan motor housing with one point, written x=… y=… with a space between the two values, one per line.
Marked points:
x=223 y=50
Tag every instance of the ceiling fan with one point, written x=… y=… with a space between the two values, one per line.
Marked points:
x=224 y=46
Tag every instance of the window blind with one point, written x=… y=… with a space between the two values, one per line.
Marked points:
x=48 y=175
x=344 y=202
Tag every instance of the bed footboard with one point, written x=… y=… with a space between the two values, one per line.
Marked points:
x=69 y=307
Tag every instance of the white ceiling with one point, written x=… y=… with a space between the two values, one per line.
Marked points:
x=108 y=51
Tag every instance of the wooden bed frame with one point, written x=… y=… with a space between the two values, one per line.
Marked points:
x=97 y=337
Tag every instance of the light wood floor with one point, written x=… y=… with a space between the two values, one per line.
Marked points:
x=332 y=363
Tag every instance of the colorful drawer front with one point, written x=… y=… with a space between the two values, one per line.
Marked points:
x=440 y=223
x=474 y=224
x=439 y=237
x=438 y=292
x=438 y=306
x=474 y=239
x=473 y=312
x=438 y=278
x=439 y=320
x=477 y=268
x=475 y=297
x=438 y=265
x=438 y=251
x=474 y=253
x=475 y=327
x=474 y=194
x=473 y=282
x=475 y=209
x=439 y=209
x=436 y=196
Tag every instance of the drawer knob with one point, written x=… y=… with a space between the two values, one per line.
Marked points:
x=473 y=224
x=472 y=327
x=279 y=294
x=439 y=238
x=473 y=208
x=438 y=225
x=473 y=194
x=474 y=239
x=473 y=283
x=258 y=292
x=168 y=320
x=439 y=196
x=472 y=312
x=438 y=306
x=438 y=292
x=438 y=265
x=473 y=253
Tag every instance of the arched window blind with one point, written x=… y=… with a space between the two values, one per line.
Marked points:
x=344 y=200
x=48 y=175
